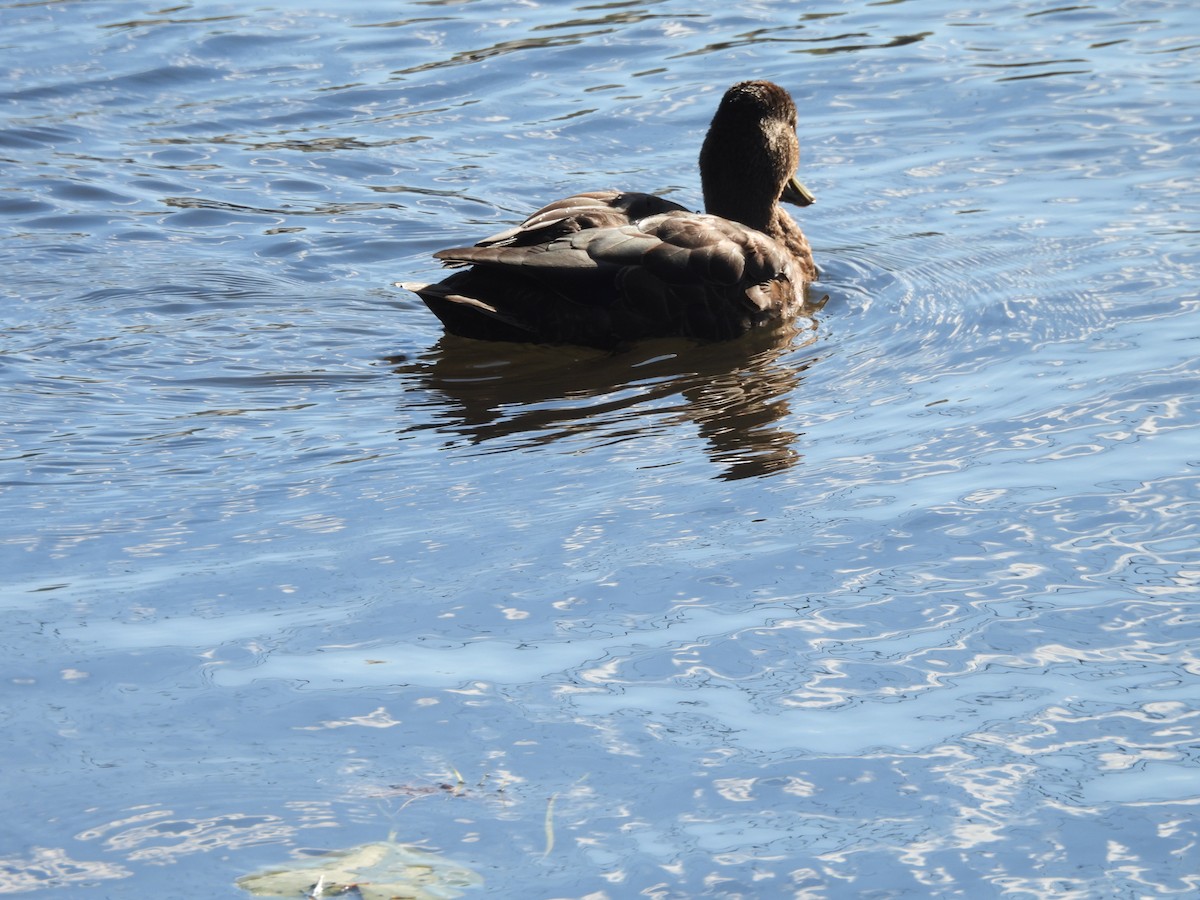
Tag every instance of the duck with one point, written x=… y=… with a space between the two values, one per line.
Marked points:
x=607 y=268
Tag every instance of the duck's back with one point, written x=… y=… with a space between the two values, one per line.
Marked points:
x=603 y=268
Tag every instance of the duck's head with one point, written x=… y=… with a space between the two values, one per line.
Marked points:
x=749 y=158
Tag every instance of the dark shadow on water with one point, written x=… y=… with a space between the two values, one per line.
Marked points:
x=508 y=396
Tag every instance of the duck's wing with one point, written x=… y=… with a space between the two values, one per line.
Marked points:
x=581 y=212
x=572 y=277
x=676 y=247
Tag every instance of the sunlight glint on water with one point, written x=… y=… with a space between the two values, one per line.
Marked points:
x=900 y=601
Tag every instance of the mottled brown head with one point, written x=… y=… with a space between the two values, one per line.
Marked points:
x=749 y=158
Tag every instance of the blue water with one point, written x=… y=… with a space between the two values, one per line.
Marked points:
x=901 y=602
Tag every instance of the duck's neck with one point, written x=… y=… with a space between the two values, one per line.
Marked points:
x=728 y=199
x=761 y=213
x=736 y=199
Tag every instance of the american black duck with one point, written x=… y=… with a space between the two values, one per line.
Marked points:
x=606 y=267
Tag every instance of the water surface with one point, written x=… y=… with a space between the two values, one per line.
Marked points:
x=901 y=601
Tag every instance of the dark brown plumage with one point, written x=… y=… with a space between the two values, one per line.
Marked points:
x=605 y=267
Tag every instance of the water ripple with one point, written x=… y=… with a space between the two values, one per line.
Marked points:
x=899 y=601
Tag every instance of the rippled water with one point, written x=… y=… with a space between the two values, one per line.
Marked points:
x=903 y=601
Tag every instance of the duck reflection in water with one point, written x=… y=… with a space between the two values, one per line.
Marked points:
x=605 y=268
x=523 y=395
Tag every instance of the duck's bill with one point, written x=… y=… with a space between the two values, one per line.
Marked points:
x=795 y=192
